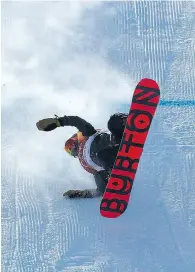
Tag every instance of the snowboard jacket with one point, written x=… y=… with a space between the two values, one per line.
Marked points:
x=91 y=141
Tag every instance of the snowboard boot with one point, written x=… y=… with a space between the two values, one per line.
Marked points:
x=78 y=194
x=49 y=124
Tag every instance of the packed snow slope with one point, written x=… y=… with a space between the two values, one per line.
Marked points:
x=85 y=59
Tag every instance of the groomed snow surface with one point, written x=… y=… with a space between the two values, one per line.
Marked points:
x=85 y=59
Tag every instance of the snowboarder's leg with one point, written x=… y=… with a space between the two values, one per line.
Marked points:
x=116 y=125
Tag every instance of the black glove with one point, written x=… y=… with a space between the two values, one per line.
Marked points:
x=78 y=194
x=49 y=124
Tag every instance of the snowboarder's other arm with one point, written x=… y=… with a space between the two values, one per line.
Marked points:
x=101 y=180
x=87 y=193
x=83 y=126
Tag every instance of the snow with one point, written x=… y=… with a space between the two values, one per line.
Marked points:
x=85 y=59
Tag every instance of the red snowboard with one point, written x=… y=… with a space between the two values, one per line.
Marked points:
x=116 y=197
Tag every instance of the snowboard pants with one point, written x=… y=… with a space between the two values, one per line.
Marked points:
x=116 y=125
x=107 y=156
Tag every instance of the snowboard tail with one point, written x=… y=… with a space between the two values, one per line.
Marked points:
x=117 y=194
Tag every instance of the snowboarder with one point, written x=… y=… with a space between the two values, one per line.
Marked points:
x=96 y=149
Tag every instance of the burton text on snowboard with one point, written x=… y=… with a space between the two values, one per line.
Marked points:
x=144 y=102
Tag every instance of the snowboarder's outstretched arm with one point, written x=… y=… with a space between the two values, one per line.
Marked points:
x=83 y=126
